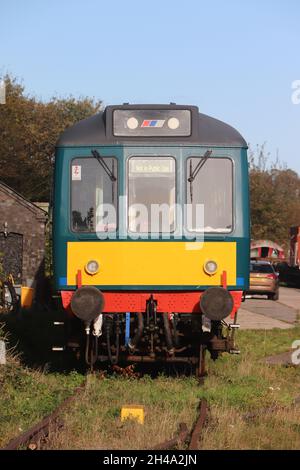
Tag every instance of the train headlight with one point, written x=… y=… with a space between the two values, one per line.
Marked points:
x=132 y=123
x=210 y=267
x=92 y=267
x=173 y=123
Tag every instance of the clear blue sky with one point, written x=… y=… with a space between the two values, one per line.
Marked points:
x=235 y=59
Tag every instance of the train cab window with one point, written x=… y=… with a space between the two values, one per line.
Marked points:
x=151 y=194
x=210 y=185
x=94 y=194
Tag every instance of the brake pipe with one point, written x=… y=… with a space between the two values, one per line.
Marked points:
x=127 y=328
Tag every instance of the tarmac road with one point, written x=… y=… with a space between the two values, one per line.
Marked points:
x=261 y=313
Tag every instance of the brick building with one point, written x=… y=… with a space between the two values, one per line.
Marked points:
x=22 y=237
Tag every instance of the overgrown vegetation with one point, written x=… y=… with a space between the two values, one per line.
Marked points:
x=28 y=395
x=235 y=385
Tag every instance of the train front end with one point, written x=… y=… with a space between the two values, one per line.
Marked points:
x=151 y=234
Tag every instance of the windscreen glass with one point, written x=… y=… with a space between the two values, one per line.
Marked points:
x=151 y=194
x=93 y=188
x=261 y=268
x=209 y=183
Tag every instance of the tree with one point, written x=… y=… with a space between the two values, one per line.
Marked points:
x=29 y=129
x=274 y=197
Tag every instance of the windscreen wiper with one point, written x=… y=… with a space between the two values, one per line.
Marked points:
x=198 y=167
x=104 y=165
x=108 y=171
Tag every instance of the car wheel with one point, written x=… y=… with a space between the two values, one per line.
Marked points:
x=276 y=295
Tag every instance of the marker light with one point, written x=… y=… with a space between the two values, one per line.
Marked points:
x=92 y=267
x=210 y=267
x=132 y=123
x=173 y=123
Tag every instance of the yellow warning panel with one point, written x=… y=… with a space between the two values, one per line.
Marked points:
x=135 y=412
x=136 y=263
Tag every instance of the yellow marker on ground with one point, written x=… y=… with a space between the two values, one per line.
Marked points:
x=135 y=412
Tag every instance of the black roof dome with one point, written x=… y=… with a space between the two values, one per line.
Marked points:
x=97 y=130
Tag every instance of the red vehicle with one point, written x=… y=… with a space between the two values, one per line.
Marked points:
x=266 y=249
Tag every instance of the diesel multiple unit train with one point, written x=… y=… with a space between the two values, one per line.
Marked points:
x=151 y=234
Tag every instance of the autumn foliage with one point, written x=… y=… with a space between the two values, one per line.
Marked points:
x=29 y=129
x=274 y=196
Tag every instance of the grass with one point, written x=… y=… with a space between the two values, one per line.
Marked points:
x=235 y=385
x=27 y=395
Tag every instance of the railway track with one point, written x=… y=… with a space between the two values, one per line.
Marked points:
x=185 y=437
x=36 y=437
x=37 y=434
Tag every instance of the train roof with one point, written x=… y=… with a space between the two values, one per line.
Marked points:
x=98 y=130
